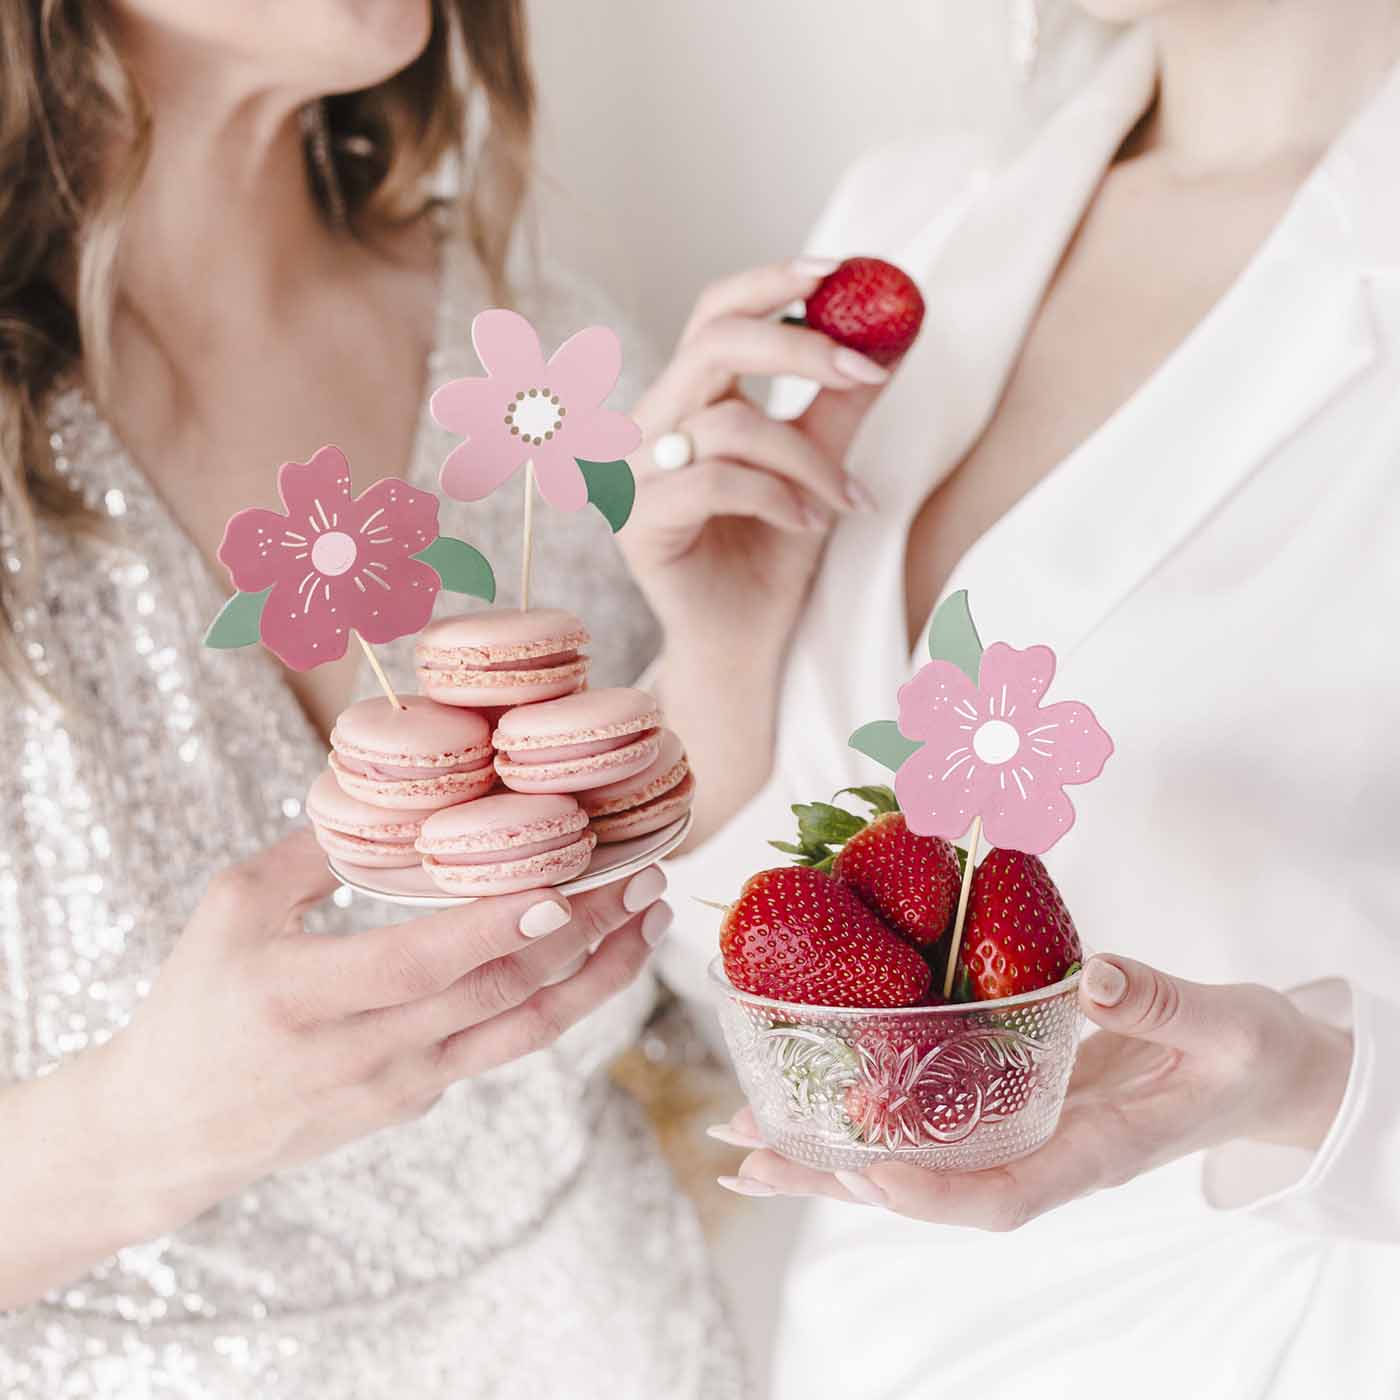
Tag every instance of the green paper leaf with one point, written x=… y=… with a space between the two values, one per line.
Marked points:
x=883 y=742
x=462 y=568
x=952 y=635
x=238 y=622
x=611 y=489
x=881 y=800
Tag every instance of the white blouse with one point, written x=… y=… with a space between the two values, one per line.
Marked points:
x=1218 y=570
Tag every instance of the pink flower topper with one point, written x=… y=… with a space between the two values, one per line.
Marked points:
x=547 y=412
x=975 y=740
x=332 y=563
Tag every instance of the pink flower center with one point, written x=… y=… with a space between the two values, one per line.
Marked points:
x=534 y=416
x=333 y=553
x=996 y=741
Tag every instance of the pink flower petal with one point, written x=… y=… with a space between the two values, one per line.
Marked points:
x=474 y=469
x=1032 y=822
x=317 y=491
x=603 y=436
x=1015 y=682
x=400 y=602
x=939 y=704
x=560 y=481
x=300 y=628
x=937 y=800
x=392 y=518
x=583 y=371
x=467 y=406
x=1068 y=741
x=506 y=344
x=257 y=552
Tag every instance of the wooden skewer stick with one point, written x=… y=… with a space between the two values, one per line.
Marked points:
x=379 y=673
x=527 y=537
x=963 y=893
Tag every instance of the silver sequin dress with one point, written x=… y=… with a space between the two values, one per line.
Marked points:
x=522 y=1240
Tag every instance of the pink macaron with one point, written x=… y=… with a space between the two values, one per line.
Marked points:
x=502 y=657
x=353 y=831
x=416 y=758
x=509 y=842
x=660 y=794
x=579 y=742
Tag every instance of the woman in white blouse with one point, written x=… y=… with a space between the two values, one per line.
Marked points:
x=1153 y=420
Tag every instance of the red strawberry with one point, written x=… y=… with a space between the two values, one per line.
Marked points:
x=1019 y=935
x=795 y=934
x=910 y=881
x=871 y=306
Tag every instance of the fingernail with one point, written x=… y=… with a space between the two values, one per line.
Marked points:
x=643 y=889
x=572 y=966
x=1105 y=983
x=746 y=1186
x=862 y=1188
x=542 y=918
x=859 y=495
x=855 y=366
x=656 y=921
x=813 y=267
x=722 y=1132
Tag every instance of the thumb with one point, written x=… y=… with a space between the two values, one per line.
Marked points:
x=833 y=418
x=1130 y=998
x=272 y=889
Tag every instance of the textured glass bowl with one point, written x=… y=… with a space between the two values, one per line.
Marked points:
x=955 y=1088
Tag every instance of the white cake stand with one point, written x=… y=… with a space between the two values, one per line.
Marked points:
x=412 y=888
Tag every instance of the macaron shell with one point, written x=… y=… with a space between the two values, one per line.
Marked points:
x=650 y=816
x=554 y=867
x=502 y=689
x=586 y=717
x=415 y=794
x=373 y=855
x=661 y=776
x=419 y=734
x=492 y=636
x=500 y=822
x=579 y=774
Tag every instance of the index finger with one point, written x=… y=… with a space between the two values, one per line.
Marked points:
x=758 y=291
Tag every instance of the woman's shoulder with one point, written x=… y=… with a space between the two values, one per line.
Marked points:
x=885 y=199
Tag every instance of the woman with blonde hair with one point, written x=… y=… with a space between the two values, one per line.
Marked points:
x=217 y=252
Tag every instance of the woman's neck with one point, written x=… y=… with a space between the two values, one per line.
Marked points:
x=1253 y=83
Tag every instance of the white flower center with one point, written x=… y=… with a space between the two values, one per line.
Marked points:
x=333 y=553
x=996 y=741
x=534 y=416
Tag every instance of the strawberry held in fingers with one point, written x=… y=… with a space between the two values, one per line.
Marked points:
x=870 y=306
x=796 y=934
x=1019 y=935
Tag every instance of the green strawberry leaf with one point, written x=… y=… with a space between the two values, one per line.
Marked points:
x=952 y=635
x=611 y=489
x=821 y=824
x=1071 y=970
x=963 y=989
x=883 y=742
x=238 y=623
x=880 y=799
x=461 y=568
x=962 y=860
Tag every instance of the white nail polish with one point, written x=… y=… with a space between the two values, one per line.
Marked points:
x=746 y=1186
x=814 y=267
x=722 y=1132
x=542 y=918
x=656 y=921
x=1104 y=982
x=862 y=1188
x=855 y=366
x=644 y=888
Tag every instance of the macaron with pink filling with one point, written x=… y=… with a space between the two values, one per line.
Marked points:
x=579 y=742
x=352 y=831
x=502 y=657
x=657 y=796
x=417 y=758
x=506 y=843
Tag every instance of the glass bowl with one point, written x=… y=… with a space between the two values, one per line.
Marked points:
x=954 y=1088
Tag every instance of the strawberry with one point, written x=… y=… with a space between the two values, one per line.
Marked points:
x=1019 y=936
x=871 y=306
x=796 y=934
x=911 y=882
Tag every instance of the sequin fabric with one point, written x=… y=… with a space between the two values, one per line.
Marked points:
x=524 y=1239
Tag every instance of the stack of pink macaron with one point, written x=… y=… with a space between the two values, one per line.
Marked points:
x=503 y=705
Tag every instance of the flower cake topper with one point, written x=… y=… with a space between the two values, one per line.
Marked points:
x=975 y=744
x=333 y=563
x=548 y=413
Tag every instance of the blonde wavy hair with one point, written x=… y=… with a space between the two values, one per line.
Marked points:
x=67 y=101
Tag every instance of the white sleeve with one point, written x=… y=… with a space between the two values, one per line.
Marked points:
x=1350 y=1186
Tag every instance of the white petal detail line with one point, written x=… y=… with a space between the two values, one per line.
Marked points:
x=370 y=519
x=964 y=759
x=1020 y=786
